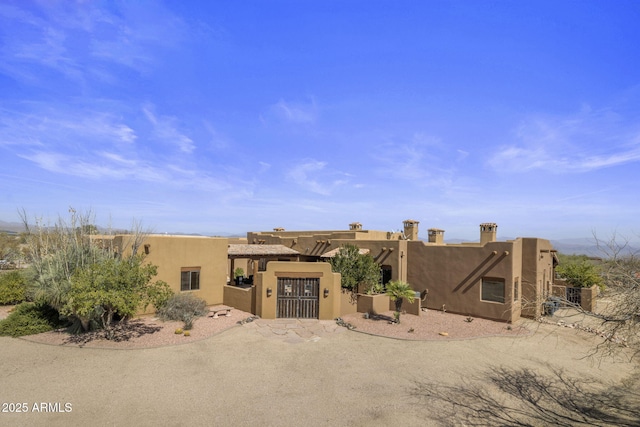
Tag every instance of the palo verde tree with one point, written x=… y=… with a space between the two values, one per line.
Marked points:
x=579 y=271
x=356 y=269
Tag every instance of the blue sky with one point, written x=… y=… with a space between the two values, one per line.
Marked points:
x=226 y=116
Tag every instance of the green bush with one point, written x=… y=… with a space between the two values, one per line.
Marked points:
x=12 y=288
x=579 y=272
x=356 y=269
x=184 y=308
x=30 y=318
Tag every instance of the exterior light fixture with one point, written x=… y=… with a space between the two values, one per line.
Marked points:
x=269 y=292
x=326 y=292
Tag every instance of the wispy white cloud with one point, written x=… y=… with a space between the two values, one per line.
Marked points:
x=582 y=142
x=421 y=159
x=44 y=125
x=96 y=166
x=264 y=167
x=217 y=140
x=312 y=175
x=76 y=141
x=135 y=32
x=33 y=40
x=118 y=159
x=291 y=112
x=108 y=166
x=77 y=39
x=165 y=128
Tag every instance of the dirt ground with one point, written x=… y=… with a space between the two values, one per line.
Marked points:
x=241 y=377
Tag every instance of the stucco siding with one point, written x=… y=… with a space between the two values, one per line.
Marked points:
x=172 y=254
x=453 y=275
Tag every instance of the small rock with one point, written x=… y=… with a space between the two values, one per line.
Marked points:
x=444 y=334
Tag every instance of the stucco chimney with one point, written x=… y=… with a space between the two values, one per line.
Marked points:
x=488 y=232
x=411 y=229
x=436 y=236
x=355 y=226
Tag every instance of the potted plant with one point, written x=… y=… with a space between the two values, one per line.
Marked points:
x=238 y=275
x=398 y=291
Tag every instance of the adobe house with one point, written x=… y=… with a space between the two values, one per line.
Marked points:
x=289 y=275
x=489 y=279
x=193 y=264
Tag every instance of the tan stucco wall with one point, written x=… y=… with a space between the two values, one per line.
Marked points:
x=373 y=304
x=241 y=298
x=172 y=253
x=588 y=298
x=414 y=307
x=329 y=306
x=537 y=274
x=348 y=302
x=453 y=274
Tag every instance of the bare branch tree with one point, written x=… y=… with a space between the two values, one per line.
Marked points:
x=522 y=397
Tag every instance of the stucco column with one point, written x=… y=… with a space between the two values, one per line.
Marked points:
x=256 y=264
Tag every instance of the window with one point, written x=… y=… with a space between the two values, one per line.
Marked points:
x=190 y=279
x=493 y=290
x=516 y=289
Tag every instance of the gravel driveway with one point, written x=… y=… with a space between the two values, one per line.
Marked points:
x=239 y=378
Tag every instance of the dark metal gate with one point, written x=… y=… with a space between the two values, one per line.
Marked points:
x=298 y=297
x=573 y=295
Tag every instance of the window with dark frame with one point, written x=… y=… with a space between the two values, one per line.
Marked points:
x=516 y=289
x=493 y=290
x=190 y=279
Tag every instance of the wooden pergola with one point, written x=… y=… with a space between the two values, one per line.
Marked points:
x=258 y=252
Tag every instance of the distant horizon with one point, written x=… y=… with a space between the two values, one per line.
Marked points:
x=580 y=241
x=201 y=116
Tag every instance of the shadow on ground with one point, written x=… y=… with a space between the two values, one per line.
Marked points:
x=381 y=317
x=521 y=397
x=120 y=332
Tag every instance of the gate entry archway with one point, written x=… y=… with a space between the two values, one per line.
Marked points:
x=298 y=297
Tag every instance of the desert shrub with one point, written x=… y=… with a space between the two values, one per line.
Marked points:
x=30 y=318
x=12 y=288
x=579 y=272
x=184 y=308
x=356 y=269
x=113 y=288
x=398 y=291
